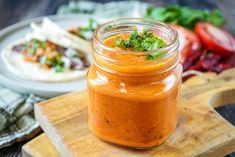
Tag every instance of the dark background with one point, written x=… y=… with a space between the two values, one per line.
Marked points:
x=12 y=11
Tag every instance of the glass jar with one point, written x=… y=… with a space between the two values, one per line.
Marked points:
x=134 y=101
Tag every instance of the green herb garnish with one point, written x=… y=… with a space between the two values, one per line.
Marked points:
x=144 y=41
x=92 y=24
x=34 y=44
x=58 y=68
x=185 y=16
x=156 y=55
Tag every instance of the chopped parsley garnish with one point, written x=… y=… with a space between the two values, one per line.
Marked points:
x=145 y=41
x=34 y=45
x=92 y=24
x=82 y=31
x=58 y=68
x=156 y=55
x=45 y=53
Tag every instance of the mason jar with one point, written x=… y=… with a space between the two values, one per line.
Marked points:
x=134 y=101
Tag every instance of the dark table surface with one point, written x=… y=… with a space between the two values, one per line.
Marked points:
x=13 y=11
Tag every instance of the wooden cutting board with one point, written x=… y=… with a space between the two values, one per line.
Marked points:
x=201 y=131
x=41 y=146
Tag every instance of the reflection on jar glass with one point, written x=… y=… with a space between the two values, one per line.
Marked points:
x=133 y=101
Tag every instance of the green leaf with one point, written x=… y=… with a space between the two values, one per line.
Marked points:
x=156 y=13
x=216 y=18
x=91 y=26
x=32 y=50
x=48 y=61
x=58 y=68
x=120 y=43
x=60 y=63
x=43 y=45
x=156 y=55
x=185 y=16
x=144 y=41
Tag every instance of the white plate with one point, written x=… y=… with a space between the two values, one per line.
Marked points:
x=17 y=31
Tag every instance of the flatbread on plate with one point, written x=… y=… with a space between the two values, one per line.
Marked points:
x=32 y=71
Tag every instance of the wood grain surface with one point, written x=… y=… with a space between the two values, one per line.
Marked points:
x=13 y=11
x=41 y=146
x=201 y=131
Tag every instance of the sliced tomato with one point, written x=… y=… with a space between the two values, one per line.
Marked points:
x=189 y=42
x=215 y=38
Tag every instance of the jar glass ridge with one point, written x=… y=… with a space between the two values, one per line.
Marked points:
x=127 y=25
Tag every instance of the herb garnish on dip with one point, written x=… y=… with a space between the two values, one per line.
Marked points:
x=144 y=41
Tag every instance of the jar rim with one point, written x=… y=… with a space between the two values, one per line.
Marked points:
x=173 y=44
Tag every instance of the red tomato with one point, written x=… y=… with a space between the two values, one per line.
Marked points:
x=189 y=42
x=217 y=39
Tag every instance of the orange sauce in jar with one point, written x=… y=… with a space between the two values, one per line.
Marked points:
x=133 y=101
